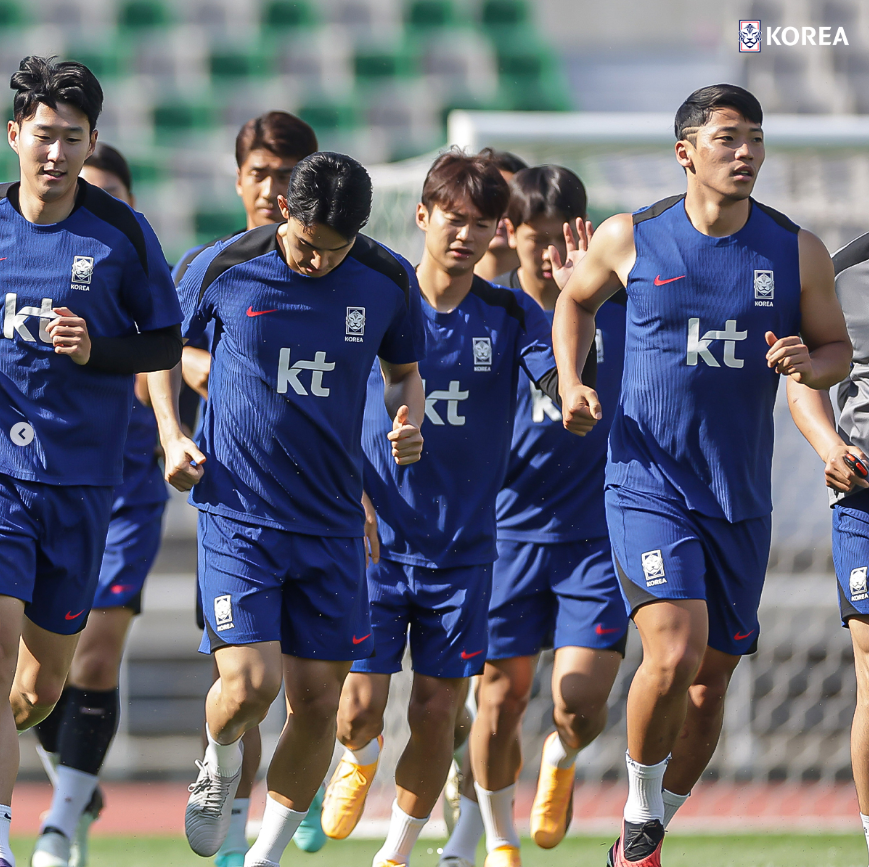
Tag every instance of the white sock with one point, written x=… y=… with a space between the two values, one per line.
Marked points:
x=49 y=762
x=366 y=755
x=863 y=818
x=236 y=837
x=71 y=795
x=557 y=754
x=645 y=796
x=496 y=809
x=672 y=802
x=403 y=831
x=225 y=757
x=468 y=832
x=279 y=825
x=5 y=821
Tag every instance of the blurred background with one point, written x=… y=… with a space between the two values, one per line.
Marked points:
x=381 y=80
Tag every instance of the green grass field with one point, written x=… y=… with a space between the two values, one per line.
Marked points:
x=768 y=850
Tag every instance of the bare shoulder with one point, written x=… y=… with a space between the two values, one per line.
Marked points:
x=816 y=266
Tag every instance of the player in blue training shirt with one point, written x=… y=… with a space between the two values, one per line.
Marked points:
x=724 y=295
x=437 y=518
x=88 y=302
x=301 y=313
x=76 y=735
x=554 y=582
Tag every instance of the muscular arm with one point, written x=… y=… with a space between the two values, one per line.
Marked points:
x=405 y=402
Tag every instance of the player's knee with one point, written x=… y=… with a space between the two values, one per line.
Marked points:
x=248 y=696
x=708 y=697
x=96 y=672
x=431 y=714
x=580 y=724
x=509 y=707
x=359 y=726
x=676 y=668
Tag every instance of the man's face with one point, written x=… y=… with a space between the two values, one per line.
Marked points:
x=725 y=154
x=531 y=242
x=312 y=250
x=456 y=237
x=109 y=182
x=262 y=177
x=52 y=147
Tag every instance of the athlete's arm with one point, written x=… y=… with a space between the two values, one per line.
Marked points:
x=813 y=414
x=820 y=356
x=372 y=539
x=196 y=368
x=405 y=403
x=183 y=460
x=599 y=274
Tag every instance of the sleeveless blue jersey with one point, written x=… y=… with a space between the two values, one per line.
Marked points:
x=554 y=487
x=105 y=264
x=291 y=356
x=695 y=419
x=440 y=512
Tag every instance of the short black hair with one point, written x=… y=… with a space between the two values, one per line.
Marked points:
x=697 y=109
x=546 y=191
x=331 y=189
x=504 y=160
x=280 y=132
x=456 y=177
x=45 y=81
x=107 y=159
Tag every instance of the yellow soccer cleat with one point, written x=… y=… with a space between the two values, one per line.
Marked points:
x=553 y=803
x=504 y=856
x=389 y=864
x=345 y=797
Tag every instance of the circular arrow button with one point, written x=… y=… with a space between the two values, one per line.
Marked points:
x=21 y=434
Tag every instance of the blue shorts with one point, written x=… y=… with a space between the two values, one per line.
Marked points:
x=851 y=554
x=131 y=548
x=555 y=595
x=444 y=610
x=52 y=539
x=264 y=584
x=663 y=550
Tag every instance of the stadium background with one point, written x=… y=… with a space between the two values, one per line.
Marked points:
x=378 y=79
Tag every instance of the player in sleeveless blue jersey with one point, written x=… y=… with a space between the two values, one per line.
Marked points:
x=88 y=302
x=437 y=518
x=724 y=295
x=301 y=314
x=75 y=737
x=554 y=583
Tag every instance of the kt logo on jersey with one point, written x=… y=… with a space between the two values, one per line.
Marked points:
x=355 y=324
x=699 y=347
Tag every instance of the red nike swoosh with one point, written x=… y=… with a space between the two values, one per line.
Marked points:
x=121 y=588
x=252 y=312
x=739 y=636
x=360 y=640
x=4 y=259
x=601 y=631
x=660 y=282
x=70 y=616
x=466 y=655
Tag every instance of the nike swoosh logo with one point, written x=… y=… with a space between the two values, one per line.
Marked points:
x=252 y=312
x=660 y=282
x=466 y=655
x=739 y=636
x=601 y=631
x=70 y=616
x=121 y=588
x=4 y=259
x=360 y=640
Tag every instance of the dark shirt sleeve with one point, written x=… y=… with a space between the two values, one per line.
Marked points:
x=159 y=349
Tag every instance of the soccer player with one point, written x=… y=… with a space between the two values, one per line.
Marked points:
x=302 y=310
x=554 y=582
x=266 y=150
x=76 y=736
x=89 y=302
x=724 y=295
x=437 y=518
x=500 y=257
x=813 y=413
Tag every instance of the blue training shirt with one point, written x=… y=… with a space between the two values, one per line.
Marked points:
x=282 y=428
x=695 y=419
x=440 y=512
x=143 y=479
x=62 y=423
x=553 y=491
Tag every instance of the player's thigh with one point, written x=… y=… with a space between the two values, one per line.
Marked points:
x=100 y=648
x=250 y=672
x=364 y=696
x=582 y=678
x=435 y=700
x=11 y=622
x=858 y=625
x=44 y=660
x=713 y=678
x=505 y=685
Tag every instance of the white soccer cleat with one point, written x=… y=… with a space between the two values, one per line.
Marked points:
x=209 y=810
x=454 y=861
x=452 y=796
x=78 y=853
x=51 y=850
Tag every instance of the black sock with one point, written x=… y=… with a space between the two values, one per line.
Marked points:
x=47 y=731
x=89 y=724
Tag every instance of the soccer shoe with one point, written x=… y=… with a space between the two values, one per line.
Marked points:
x=209 y=809
x=309 y=836
x=51 y=850
x=454 y=861
x=387 y=863
x=230 y=859
x=550 y=812
x=643 y=847
x=78 y=852
x=452 y=796
x=345 y=797
x=504 y=856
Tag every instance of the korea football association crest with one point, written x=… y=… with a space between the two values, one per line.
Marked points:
x=653 y=568
x=764 y=288
x=82 y=272
x=858 y=584
x=749 y=37
x=355 y=325
x=482 y=353
x=223 y=612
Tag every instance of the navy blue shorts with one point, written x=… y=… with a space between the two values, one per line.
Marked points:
x=132 y=544
x=443 y=609
x=264 y=584
x=663 y=550
x=51 y=541
x=555 y=595
x=851 y=554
